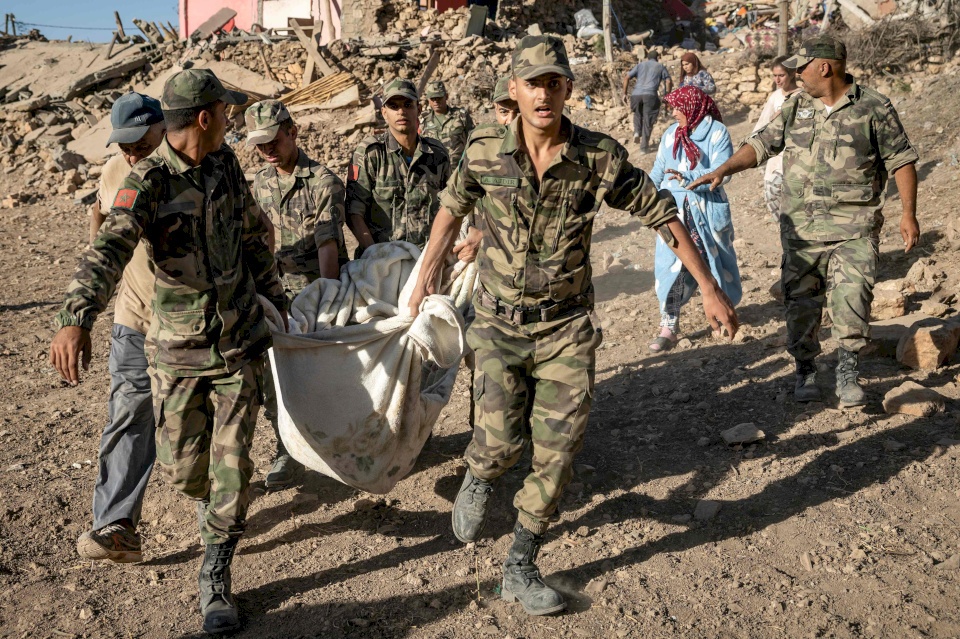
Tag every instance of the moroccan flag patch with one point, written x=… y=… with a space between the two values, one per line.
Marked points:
x=126 y=198
x=354 y=172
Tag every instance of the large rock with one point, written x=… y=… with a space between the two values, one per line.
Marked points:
x=929 y=345
x=888 y=301
x=746 y=433
x=885 y=335
x=910 y=398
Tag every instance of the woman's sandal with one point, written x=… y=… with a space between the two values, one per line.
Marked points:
x=662 y=344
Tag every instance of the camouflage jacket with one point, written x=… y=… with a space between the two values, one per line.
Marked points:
x=836 y=164
x=536 y=236
x=306 y=216
x=452 y=129
x=208 y=242
x=398 y=202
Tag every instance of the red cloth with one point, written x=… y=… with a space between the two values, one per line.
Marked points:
x=695 y=105
x=678 y=10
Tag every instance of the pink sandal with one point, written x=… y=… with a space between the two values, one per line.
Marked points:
x=664 y=341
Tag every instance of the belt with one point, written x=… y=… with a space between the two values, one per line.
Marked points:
x=520 y=315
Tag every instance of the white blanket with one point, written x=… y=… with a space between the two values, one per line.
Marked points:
x=359 y=383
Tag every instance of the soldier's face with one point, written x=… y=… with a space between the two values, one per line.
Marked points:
x=541 y=99
x=136 y=151
x=401 y=113
x=812 y=77
x=281 y=151
x=505 y=115
x=439 y=105
x=214 y=124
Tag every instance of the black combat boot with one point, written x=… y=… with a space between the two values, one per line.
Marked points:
x=521 y=577
x=284 y=466
x=848 y=388
x=805 y=389
x=470 y=508
x=217 y=606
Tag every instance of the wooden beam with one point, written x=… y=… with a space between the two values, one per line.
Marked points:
x=428 y=71
x=308 y=43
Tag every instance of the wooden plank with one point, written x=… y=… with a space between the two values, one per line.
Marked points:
x=477 y=21
x=213 y=24
x=428 y=71
x=310 y=45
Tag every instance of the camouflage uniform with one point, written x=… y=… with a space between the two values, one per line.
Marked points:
x=205 y=236
x=396 y=200
x=534 y=336
x=835 y=170
x=452 y=128
x=306 y=209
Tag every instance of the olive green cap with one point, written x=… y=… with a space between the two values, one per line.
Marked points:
x=435 y=89
x=399 y=86
x=539 y=55
x=196 y=87
x=263 y=120
x=823 y=46
x=501 y=91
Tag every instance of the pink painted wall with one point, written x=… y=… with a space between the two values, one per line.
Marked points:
x=194 y=12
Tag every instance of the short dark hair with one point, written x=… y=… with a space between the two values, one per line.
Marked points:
x=653 y=55
x=180 y=119
x=287 y=125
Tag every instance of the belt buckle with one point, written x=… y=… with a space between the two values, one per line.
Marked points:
x=547 y=313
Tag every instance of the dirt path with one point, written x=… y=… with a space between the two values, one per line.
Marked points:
x=840 y=524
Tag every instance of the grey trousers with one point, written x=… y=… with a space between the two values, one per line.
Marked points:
x=128 y=446
x=645 y=109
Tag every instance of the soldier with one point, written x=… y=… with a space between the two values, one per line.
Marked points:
x=395 y=177
x=840 y=141
x=539 y=184
x=208 y=244
x=304 y=201
x=127 y=449
x=504 y=108
x=449 y=124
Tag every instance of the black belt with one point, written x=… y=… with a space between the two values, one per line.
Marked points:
x=520 y=315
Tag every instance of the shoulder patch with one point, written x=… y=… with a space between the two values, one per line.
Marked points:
x=598 y=140
x=489 y=130
x=126 y=198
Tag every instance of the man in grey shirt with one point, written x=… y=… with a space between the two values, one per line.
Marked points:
x=645 y=100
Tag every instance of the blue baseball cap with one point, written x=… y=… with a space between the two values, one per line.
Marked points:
x=131 y=116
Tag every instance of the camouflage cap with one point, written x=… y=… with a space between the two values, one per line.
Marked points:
x=501 y=92
x=196 y=87
x=263 y=121
x=435 y=89
x=399 y=86
x=539 y=55
x=823 y=46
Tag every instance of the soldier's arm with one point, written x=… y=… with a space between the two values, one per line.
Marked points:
x=326 y=230
x=906 y=179
x=96 y=278
x=97 y=219
x=745 y=158
x=633 y=191
x=900 y=157
x=359 y=196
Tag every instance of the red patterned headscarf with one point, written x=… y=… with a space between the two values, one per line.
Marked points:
x=695 y=105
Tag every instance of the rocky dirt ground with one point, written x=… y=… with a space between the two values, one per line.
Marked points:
x=841 y=523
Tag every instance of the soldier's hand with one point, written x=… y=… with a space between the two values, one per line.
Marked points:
x=69 y=348
x=713 y=179
x=416 y=298
x=910 y=231
x=719 y=311
x=467 y=250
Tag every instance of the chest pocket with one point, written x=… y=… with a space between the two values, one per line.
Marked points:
x=176 y=241
x=803 y=131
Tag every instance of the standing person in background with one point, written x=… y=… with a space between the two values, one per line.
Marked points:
x=694 y=146
x=304 y=201
x=693 y=74
x=645 y=99
x=127 y=447
x=449 y=124
x=785 y=81
x=505 y=109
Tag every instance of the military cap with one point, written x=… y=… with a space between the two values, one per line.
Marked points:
x=399 y=86
x=539 y=55
x=263 y=121
x=196 y=87
x=822 y=46
x=132 y=116
x=436 y=89
x=501 y=91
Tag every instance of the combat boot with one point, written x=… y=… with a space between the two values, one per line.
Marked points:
x=284 y=466
x=805 y=389
x=521 y=577
x=217 y=606
x=470 y=508
x=848 y=388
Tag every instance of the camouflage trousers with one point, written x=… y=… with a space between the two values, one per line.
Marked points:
x=839 y=274
x=293 y=283
x=542 y=372
x=773 y=194
x=204 y=432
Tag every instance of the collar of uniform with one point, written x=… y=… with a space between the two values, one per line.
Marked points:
x=178 y=165
x=570 y=150
x=851 y=95
x=393 y=146
x=302 y=169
